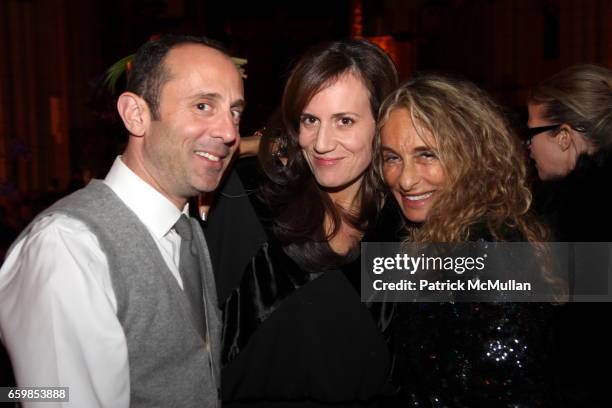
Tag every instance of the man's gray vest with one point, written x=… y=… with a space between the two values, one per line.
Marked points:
x=170 y=364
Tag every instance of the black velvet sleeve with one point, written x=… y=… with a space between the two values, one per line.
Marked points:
x=233 y=233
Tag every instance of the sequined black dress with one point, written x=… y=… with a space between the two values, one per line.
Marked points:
x=291 y=338
x=458 y=355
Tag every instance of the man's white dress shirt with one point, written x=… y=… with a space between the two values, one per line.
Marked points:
x=57 y=304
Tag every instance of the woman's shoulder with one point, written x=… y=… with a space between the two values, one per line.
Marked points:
x=388 y=225
x=586 y=178
x=234 y=230
x=481 y=232
x=578 y=206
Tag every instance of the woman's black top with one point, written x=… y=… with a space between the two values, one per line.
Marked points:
x=578 y=208
x=465 y=355
x=291 y=338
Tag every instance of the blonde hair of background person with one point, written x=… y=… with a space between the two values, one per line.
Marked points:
x=570 y=114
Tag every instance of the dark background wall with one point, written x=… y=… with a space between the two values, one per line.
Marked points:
x=53 y=52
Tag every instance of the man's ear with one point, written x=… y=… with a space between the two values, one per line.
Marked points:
x=564 y=137
x=134 y=112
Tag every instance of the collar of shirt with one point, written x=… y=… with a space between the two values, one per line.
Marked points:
x=155 y=211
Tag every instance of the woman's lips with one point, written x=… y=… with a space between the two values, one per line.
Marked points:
x=326 y=161
x=416 y=200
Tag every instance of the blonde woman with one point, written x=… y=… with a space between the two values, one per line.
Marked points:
x=458 y=172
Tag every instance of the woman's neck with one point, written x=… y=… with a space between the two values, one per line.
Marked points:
x=345 y=239
x=581 y=145
x=346 y=200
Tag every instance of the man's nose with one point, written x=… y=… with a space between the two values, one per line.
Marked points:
x=226 y=128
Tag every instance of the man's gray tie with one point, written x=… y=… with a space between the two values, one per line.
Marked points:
x=189 y=267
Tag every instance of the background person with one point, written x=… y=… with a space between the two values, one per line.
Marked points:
x=570 y=129
x=95 y=295
x=295 y=330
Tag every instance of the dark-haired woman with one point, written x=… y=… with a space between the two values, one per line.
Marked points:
x=458 y=173
x=296 y=333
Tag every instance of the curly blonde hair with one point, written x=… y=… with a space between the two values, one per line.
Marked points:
x=483 y=160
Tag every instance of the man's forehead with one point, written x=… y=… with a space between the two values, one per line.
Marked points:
x=203 y=70
x=197 y=56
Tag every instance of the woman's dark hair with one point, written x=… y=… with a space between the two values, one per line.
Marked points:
x=300 y=205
